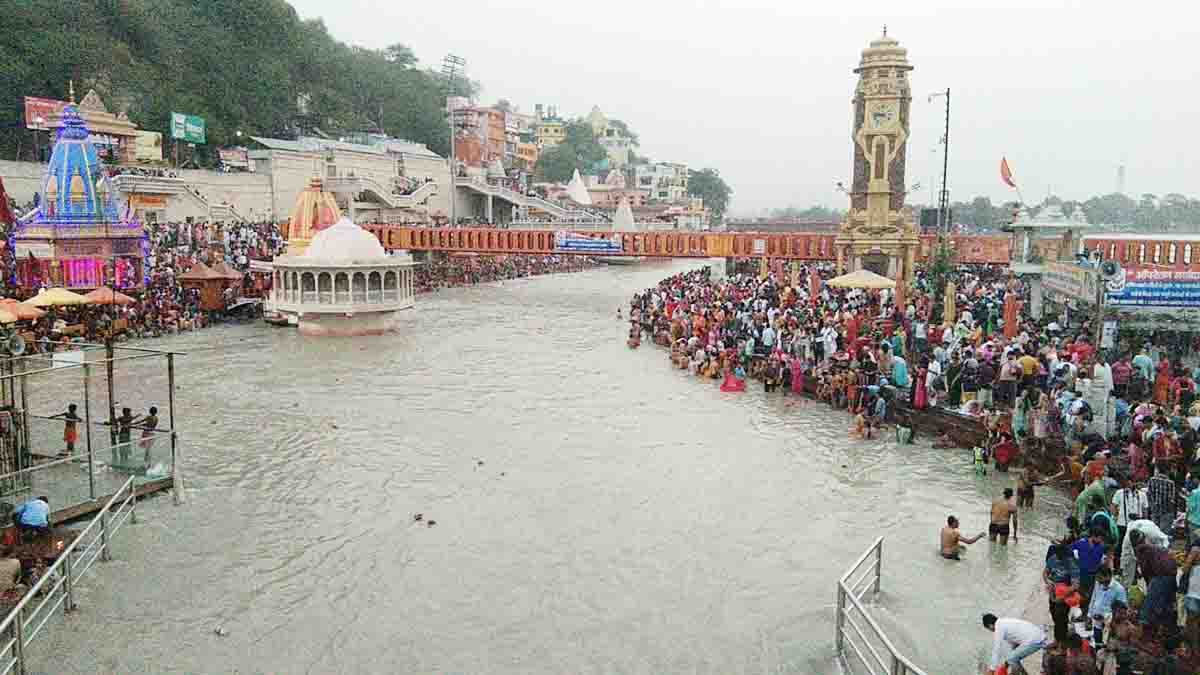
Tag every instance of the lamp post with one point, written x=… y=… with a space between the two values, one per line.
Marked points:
x=452 y=67
x=37 y=136
x=944 y=200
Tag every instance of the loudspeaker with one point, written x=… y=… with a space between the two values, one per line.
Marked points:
x=1110 y=270
x=15 y=345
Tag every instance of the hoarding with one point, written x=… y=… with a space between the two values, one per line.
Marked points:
x=1072 y=281
x=44 y=108
x=577 y=243
x=148 y=147
x=187 y=128
x=1150 y=287
x=235 y=157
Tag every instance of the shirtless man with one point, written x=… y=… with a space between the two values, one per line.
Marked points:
x=1003 y=510
x=952 y=539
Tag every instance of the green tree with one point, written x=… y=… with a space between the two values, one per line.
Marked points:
x=708 y=185
x=579 y=149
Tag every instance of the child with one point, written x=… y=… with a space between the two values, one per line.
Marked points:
x=70 y=429
x=981 y=460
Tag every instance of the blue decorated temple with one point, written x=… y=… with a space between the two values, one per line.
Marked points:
x=79 y=237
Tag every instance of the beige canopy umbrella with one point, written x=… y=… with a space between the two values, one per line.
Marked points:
x=55 y=297
x=22 y=310
x=7 y=316
x=861 y=279
x=107 y=296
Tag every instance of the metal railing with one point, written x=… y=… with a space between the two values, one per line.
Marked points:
x=57 y=587
x=866 y=645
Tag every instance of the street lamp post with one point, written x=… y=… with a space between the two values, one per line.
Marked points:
x=944 y=201
x=37 y=136
x=452 y=67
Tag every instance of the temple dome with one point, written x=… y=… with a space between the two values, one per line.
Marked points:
x=345 y=242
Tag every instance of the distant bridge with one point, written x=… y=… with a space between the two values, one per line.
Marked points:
x=986 y=249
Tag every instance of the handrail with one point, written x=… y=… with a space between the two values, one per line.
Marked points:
x=64 y=575
x=895 y=663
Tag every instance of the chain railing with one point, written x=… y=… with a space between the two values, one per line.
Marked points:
x=58 y=585
x=851 y=638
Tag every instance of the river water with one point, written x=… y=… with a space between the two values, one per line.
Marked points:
x=596 y=511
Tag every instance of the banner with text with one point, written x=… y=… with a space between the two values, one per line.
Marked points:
x=1150 y=287
x=188 y=128
x=148 y=146
x=578 y=243
x=39 y=111
x=1072 y=281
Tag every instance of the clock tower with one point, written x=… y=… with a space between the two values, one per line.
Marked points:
x=878 y=232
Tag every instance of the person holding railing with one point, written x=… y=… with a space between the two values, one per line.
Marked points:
x=70 y=429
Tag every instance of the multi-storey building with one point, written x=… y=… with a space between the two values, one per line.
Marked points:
x=666 y=181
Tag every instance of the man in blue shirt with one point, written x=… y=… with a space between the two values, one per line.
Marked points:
x=1106 y=591
x=33 y=516
x=1089 y=551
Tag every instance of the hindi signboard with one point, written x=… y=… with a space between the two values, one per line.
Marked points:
x=569 y=242
x=1150 y=287
x=234 y=157
x=41 y=109
x=1073 y=281
x=187 y=128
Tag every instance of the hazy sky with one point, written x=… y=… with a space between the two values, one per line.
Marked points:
x=761 y=90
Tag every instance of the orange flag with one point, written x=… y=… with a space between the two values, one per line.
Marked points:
x=1006 y=173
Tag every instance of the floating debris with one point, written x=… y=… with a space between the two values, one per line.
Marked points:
x=432 y=523
x=220 y=630
x=418 y=517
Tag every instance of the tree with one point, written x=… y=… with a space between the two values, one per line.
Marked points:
x=625 y=131
x=579 y=149
x=708 y=185
x=983 y=212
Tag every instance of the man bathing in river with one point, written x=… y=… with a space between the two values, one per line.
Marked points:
x=952 y=539
x=1003 y=510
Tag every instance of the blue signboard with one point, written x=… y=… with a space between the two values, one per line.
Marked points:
x=1148 y=287
x=569 y=242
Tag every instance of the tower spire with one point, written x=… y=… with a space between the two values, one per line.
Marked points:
x=885 y=30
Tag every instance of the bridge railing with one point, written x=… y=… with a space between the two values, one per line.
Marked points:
x=857 y=633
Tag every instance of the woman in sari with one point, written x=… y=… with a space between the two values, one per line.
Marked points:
x=954 y=380
x=1162 y=383
x=797 y=375
x=920 y=393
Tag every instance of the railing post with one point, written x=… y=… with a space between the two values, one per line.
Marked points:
x=132 y=502
x=18 y=628
x=69 y=571
x=104 y=555
x=878 y=564
x=840 y=620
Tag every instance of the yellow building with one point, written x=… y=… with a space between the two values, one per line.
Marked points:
x=549 y=133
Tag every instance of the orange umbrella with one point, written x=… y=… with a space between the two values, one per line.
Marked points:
x=107 y=296
x=22 y=311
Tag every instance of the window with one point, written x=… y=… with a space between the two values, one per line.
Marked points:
x=341 y=288
x=390 y=290
x=1187 y=254
x=375 y=288
x=360 y=288
x=1112 y=251
x=1141 y=253
x=1171 y=253
x=325 y=288
x=1157 y=253
x=308 y=285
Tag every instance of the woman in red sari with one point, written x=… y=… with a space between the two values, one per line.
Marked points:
x=920 y=397
x=1162 y=382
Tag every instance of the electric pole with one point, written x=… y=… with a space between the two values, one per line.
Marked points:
x=452 y=67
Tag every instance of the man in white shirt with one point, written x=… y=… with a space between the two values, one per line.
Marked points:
x=1129 y=503
x=1015 y=639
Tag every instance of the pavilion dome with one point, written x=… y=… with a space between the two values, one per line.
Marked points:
x=345 y=242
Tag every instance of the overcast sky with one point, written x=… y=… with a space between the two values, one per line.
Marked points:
x=1067 y=90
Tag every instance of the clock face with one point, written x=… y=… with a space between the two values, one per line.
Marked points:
x=881 y=116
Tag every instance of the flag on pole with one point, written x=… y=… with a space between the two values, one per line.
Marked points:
x=1006 y=173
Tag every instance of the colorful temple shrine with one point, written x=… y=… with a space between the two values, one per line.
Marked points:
x=314 y=211
x=77 y=237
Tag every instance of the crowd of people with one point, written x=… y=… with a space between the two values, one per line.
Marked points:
x=468 y=270
x=1116 y=427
